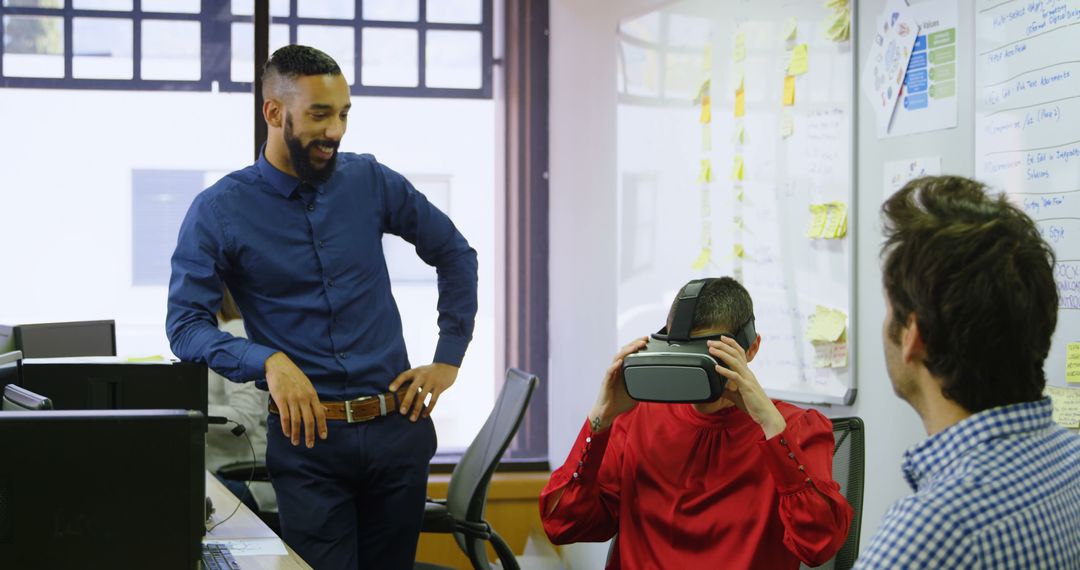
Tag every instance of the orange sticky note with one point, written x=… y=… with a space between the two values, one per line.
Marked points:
x=789 y=90
x=740 y=104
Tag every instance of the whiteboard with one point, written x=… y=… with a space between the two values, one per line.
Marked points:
x=755 y=229
x=1027 y=106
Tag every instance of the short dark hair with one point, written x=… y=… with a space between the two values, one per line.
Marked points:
x=978 y=278
x=292 y=61
x=723 y=304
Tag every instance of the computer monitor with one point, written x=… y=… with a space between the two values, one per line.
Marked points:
x=82 y=338
x=10 y=367
x=102 y=489
x=112 y=384
x=18 y=399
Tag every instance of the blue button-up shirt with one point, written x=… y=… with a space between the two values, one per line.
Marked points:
x=999 y=489
x=308 y=273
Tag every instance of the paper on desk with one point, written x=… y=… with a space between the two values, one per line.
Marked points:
x=252 y=546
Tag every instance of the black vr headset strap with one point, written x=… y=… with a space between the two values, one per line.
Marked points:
x=684 y=310
x=746 y=334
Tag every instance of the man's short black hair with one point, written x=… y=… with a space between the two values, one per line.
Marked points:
x=292 y=61
x=724 y=304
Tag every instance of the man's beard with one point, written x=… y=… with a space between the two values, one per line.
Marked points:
x=300 y=156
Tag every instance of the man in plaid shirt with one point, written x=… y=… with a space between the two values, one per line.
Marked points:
x=971 y=306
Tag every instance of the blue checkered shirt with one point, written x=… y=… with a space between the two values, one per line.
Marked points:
x=1000 y=489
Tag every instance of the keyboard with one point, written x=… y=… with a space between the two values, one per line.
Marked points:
x=217 y=557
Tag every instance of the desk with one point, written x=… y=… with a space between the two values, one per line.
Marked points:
x=245 y=525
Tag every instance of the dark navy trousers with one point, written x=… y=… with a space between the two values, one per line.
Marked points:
x=355 y=500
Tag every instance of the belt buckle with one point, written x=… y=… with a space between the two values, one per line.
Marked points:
x=349 y=413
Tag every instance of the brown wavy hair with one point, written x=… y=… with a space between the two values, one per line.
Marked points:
x=978 y=278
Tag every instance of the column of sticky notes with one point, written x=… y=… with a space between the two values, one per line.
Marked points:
x=704 y=100
x=738 y=165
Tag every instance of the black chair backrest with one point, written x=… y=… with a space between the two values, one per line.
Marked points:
x=848 y=470
x=466 y=493
x=18 y=399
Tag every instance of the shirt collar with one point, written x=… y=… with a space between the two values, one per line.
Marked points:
x=284 y=184
x=930 y=457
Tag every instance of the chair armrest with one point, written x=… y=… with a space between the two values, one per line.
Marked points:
x=242 y=471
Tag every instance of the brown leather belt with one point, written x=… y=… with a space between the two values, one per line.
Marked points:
x=365 y=408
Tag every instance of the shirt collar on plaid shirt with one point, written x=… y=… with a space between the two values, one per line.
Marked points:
x=926 y=459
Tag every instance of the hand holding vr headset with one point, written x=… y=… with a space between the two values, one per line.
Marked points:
x=686 y=364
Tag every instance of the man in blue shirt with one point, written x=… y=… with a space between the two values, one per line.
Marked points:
x=297 y=238
x=971 y=306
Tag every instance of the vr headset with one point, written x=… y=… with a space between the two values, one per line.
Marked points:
x=675 y=367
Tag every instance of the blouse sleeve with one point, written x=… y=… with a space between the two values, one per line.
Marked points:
x=816 y=517
x=585 y=490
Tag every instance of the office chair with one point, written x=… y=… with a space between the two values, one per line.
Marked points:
x=848 y=470
x=462 y=512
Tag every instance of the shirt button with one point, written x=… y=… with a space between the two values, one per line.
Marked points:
x=791 y=455
x=580 y=463
x=783 y=441
x=588 y=440
x=341 y=355
x=801 y=468
x=322 y=243
x=575 y=475
x=330 y=282
x=311 y=207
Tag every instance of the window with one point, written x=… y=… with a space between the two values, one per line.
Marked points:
x=96 y=200
x=397 y=48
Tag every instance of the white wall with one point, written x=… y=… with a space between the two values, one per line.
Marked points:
x=583 y=241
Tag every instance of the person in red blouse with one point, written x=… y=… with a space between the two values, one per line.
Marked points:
x=741 y=482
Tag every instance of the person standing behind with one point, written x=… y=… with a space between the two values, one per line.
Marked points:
x=297 y=239
x=971 y=304
x=244 y=404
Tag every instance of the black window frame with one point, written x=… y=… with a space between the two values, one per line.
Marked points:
x=216 y=18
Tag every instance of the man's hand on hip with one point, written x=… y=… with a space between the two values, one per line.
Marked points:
x=432 y=379
x=296 y=400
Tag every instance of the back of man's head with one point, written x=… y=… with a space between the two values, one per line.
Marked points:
x=723 y=305
x=978 y=278
x=291 y=62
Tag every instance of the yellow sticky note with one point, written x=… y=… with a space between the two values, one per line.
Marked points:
x=703 y=91
x=789 y=90
x=739 y=251
x=1072 y=363
x=740 y=135
x=818 y=213
x=706 y=137
x=706 y=109
x=787 y=123
x=739 y=194
x=706 y=171
x=740 y=104
x=740 y=79
x=740 y=46
x=1066 y=406
x=702 y=259
x=737 y=169
x=841 y=226
x=838 y=25
x=791 y=28
x=834 y=217
x=836 y=4
x=800 y=60
x=706 y=59
x=826 y=325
